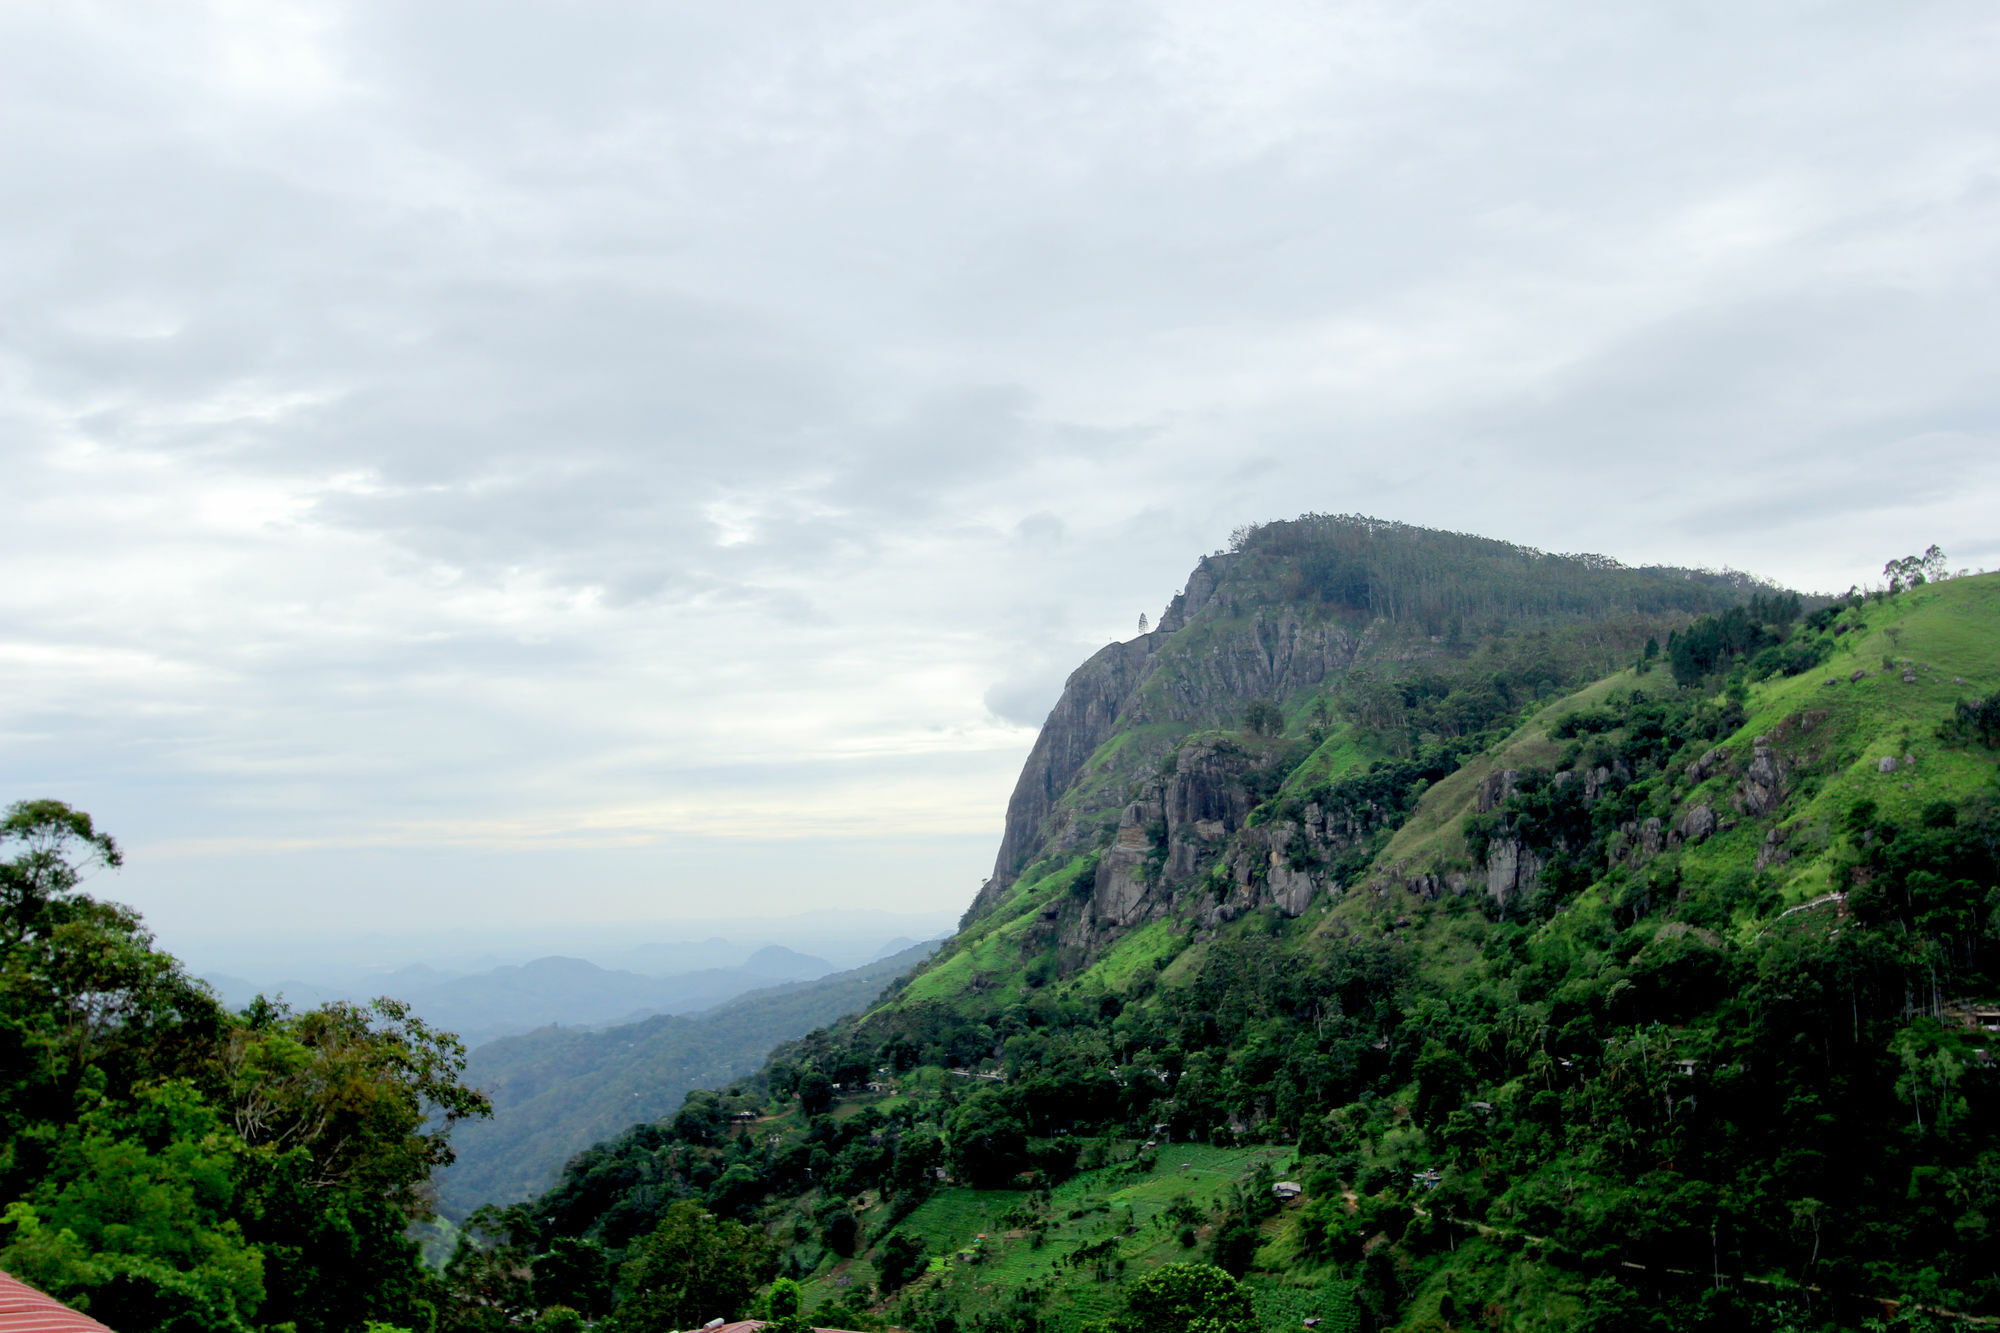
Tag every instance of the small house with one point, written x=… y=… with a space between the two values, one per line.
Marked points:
x=1287 y=1189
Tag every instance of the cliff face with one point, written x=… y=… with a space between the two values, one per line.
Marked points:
x=1216 y=650
x=1127 y=765
x=1093 y=701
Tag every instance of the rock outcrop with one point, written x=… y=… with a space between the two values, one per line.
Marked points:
x=1763 y=787
x=1250 y=652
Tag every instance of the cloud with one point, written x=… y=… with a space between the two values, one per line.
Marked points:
x=461 y=434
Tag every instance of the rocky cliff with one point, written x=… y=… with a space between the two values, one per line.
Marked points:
x=1288 y=617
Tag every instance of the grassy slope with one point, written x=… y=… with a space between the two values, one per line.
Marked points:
x=1950 y=632
x=1125 y=1202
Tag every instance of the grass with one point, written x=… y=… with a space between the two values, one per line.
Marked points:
x=1135 y=955
x=1339 y=754
x=1030 y=1240
x=1434 y=835
x=1947 y=632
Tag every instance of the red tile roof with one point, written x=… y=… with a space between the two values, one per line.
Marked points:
x=25 y=1310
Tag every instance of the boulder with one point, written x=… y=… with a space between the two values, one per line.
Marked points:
x=1695 y=825
x=1497 y=788
x=1763 y=786
x=1700 y=769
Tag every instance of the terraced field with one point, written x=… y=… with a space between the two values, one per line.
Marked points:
x=1075 y=1246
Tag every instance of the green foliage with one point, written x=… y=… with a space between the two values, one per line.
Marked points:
x=559 y=1090
x=1187 y=1298
x=1262 y=718
x=1760 y=630
x=786 y=1308
x=988 y=1140
x=173 y=1166
x=1430 y=578
x=689 y=1269
x=1537 y=1110
x=1913 y=571
x=898 y=1259
x=1974 y=723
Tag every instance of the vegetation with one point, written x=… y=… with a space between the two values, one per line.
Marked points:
x=1647 y=974
x=558 y=1090
x=1715 y=1061
x=173 y=1166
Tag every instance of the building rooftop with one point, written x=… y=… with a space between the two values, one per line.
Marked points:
x=25 y=1310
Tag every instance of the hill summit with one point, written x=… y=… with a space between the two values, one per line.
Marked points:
x=1428 y=933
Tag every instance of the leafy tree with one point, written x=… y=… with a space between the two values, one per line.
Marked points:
x=574 y=1273
x=175 y=1166
x=988 y=1140
x=1187 y=1298
x=815 y=1093
x=1262 y=718
x=786 y=1304
x=898 y=1259
x=691 y=1268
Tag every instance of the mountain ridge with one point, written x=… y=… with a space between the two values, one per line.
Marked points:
x=1546 y=959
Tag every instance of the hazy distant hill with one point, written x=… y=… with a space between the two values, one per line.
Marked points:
x=558 y=1090
x=488 y=1005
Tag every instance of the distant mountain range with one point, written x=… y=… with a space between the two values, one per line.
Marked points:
x=558 y=1090
x=483 y=1006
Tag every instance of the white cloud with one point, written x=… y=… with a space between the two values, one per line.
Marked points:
x=441 y=433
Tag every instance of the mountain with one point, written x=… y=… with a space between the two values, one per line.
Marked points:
x=483 y=1006
x=1434 y=934
x=557 y=1090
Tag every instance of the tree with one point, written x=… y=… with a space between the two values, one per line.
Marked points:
x=179 y=1167
x=1187 y=1298
x=1143 y=624
x=690 y=1269
x=787 y=1308
x=898 y=1259
x=987 y=1141
x=1262 y=718
x=1913 y=571
x=59 y=847
x=815 y=1093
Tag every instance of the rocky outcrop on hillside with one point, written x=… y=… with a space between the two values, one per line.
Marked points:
x=1093 y=703
x=1295 y=607
x=1215 y=650
x=1167 y=838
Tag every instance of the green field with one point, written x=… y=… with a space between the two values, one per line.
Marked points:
x=1078 y=1244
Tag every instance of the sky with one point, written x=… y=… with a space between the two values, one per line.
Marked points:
x=530 y=465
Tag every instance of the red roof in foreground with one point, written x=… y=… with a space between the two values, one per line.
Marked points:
x=25 y=1310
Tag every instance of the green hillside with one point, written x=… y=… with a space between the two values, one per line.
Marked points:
x=1656 y=996
x=557 y=1090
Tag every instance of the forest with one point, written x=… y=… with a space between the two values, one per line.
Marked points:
x=1648 y=977
x=1742 y=1080
x=172 y=1165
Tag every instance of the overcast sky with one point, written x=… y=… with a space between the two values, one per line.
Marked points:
x=593 y=463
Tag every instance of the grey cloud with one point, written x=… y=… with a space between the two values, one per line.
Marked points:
x=462 y=409
x=1025 y=697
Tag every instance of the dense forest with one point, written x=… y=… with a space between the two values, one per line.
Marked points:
x=171 y=1165
x=1723 y=1058
x=1629 y=963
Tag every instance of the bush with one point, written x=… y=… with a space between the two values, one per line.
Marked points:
x=1976 y=723
x=1187 y=1298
